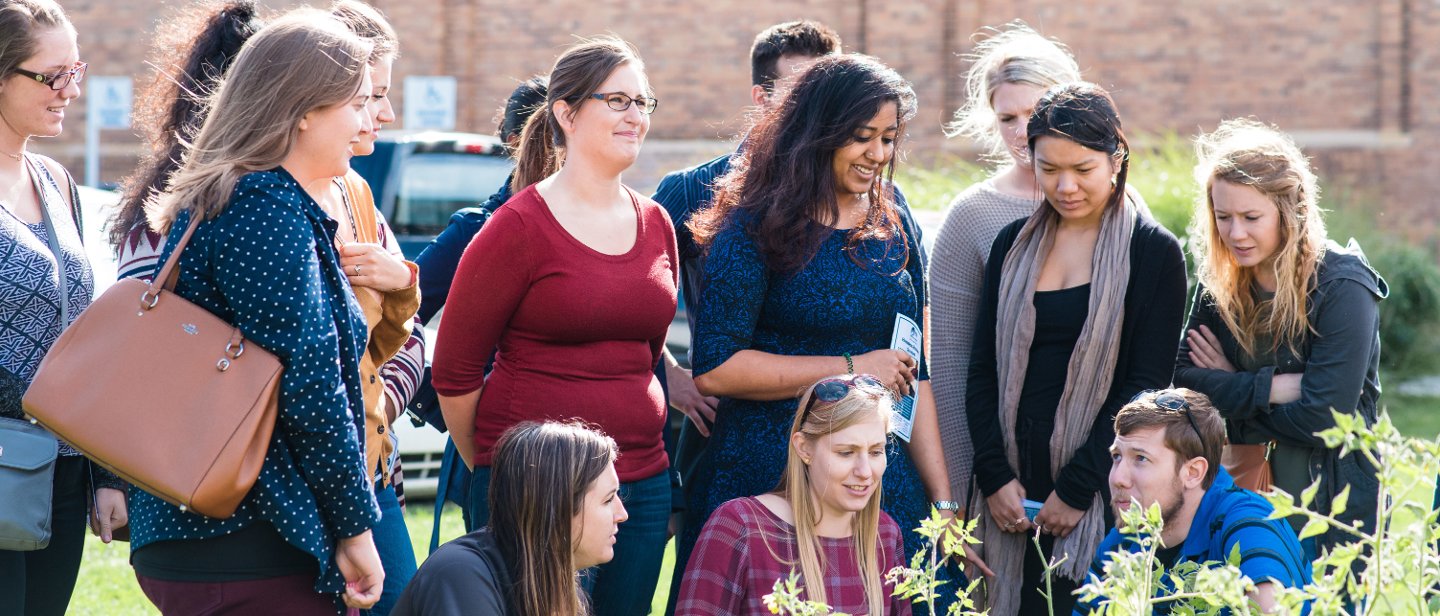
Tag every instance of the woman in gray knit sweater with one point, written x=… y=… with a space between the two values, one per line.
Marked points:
x=1009 y=72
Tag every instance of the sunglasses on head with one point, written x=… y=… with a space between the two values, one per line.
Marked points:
x=1171 y=400
x=835 y=388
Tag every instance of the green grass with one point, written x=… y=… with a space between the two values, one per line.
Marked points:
x=107 y=583
x=1417 y=416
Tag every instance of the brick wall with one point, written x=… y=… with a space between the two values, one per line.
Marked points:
x=1354 y=81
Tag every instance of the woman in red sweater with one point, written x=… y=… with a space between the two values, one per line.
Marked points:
x=573 y=283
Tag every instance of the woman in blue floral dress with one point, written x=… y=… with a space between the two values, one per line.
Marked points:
x=811 y=254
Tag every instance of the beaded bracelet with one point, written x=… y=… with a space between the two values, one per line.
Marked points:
x=849 y=364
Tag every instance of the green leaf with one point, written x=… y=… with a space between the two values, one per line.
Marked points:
x=1341 y=500
x=1313 y=528
x=1308 y=496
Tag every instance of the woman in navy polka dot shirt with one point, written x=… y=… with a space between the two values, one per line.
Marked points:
x=264 y=260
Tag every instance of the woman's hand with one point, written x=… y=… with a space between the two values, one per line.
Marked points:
x=896 y=369
x=1285 y=388
x=974 y=564
x=1205 y=350
x=1007 y=509
x=359 y=563
x=110 y=513
x=374 y=267
x=1058 y=518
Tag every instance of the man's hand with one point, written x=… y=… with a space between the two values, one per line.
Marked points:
x=684 y=397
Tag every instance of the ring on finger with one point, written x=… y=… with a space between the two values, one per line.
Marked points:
x=357 y=269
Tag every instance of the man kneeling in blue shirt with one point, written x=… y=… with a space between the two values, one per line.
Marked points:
x=1167 y=451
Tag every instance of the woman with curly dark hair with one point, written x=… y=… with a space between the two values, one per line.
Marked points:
x=192 y=51
x=811 y=255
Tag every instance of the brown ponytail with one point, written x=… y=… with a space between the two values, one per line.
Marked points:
x=536 y=158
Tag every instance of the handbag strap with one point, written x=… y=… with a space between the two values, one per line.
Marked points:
x=60 y=275
x=170 y=271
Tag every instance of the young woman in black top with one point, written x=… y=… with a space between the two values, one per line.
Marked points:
x=554 y=510
x=1082 y=303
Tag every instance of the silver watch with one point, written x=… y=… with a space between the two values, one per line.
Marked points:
x=946 y=505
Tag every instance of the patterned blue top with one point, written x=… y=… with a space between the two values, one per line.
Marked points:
x=268 y=265
x=29 y=288
x=830 y=307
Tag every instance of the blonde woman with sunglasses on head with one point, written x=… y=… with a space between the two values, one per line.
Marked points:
x=823 y=520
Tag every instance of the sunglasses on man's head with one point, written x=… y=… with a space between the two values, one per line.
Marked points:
x=1173 y=401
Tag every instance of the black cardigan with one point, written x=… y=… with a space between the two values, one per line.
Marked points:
x=1154 y=311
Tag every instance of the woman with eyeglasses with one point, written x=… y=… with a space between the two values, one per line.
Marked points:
x=1081 y=303
x=578 y=312
x=810 y=255
x=1285 y=326
x=45 y=284
x=822 y=521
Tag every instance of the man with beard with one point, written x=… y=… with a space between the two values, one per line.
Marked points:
x=1167 y=451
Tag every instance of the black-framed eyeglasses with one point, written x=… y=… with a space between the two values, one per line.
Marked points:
x=835 y=388
x=620 y=101
x=1171 y=400
x=60 y=80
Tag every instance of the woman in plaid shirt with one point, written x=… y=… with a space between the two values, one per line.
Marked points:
x=823 y=521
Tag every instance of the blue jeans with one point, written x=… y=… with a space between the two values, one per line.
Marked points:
x=625 y=585
x=397 y=556
x=477 y=502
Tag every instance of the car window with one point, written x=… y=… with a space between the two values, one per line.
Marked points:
x=433 y=185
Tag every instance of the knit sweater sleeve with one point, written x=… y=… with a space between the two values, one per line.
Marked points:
x=982 y=396
x=956 y=278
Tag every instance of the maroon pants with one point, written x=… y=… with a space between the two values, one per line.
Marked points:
x=292 y=595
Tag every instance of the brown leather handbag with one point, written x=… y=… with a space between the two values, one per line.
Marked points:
x=1249 y=465
x=163 y=393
